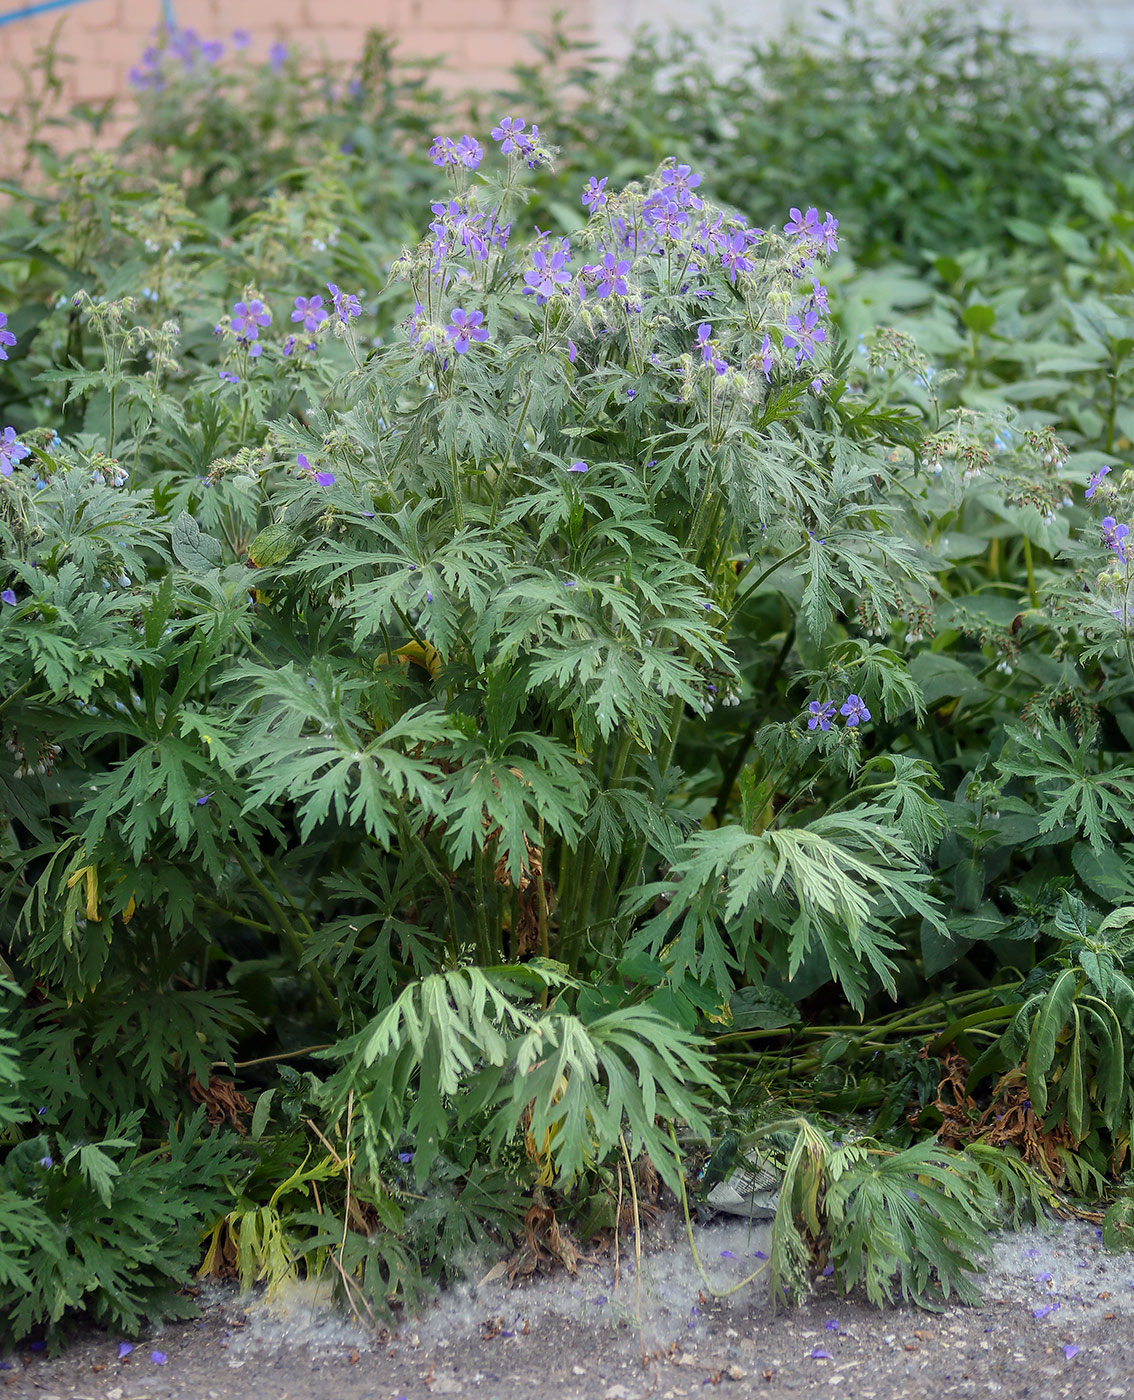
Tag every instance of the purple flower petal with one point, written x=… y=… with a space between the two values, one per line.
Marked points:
x=577 y=467
x=1070 y=1350
x=820 y=1354
x=325 y=478
x=831 y=1324
x=158 y=1358
x=8 y=596
x=727 y=1254
x=124 y=1349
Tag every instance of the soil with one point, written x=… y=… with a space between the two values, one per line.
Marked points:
x=1056 y=1321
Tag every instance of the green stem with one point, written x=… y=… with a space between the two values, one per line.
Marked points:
x=740 y=753
x=1028 y=564
x=295 y=943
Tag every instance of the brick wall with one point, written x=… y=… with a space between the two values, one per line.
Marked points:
x=478 y=39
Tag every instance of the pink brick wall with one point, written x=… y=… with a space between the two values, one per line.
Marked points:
x=478 y=39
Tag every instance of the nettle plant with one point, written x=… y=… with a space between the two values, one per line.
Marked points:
x=494 y=717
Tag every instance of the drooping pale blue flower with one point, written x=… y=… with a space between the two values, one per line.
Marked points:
x=466 y=327
x=821 y=713
x=594 y=196
x=310 y=311
x=11 y=451
x=855 y=711
x=1096 y=481
x=6 y=337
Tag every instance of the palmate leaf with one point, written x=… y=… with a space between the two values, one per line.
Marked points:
x=842 y=875
x=1066 y=772
x=429 y=1042
x=533 y=779
x=584 y=1085
x=919 y=1218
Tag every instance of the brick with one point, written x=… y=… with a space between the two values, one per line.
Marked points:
x=460 y=14
x=359 y=15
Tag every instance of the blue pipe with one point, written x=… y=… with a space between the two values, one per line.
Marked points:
x=45 y=6
x=30 y=11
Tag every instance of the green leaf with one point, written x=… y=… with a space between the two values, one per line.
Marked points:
x=195 y=551
x=1053 y=1014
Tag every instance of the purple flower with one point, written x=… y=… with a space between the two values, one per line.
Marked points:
x=1070 y=1350
x=277 y=55
x=159 y=1358
x=708 y=348
x=665 y=215
x=428 y=595
x=830 y=231
x=443 y=151
x=466 y=326
x=212 y=50
x=228 y=376
x=469 y=152
x=241 y=38
x=577 y=467
x=831 y=1324
x=46 y=1162
x=204 y=800
x=6 y=337
x=124 y=1350
x=1113 y=532
x=593 y=195
x=311 y=311
x=405 y=1158
x=325 y=478
x=612 y=276
x=546 y=273
x=11 y=451
x=767 y=357
x=572 y=351
x=1092 y=485
x=828 y=1270
x=727 y=1254
x=855 y=711
x=804 y=225
x=805 y=334
x=817 y=301
x=248 y=317
x=682 y=182
x=8 y=596
x=820 y=1354
x=821 y=714
x=732 y=249
x=345 y=304
x=508 y=135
